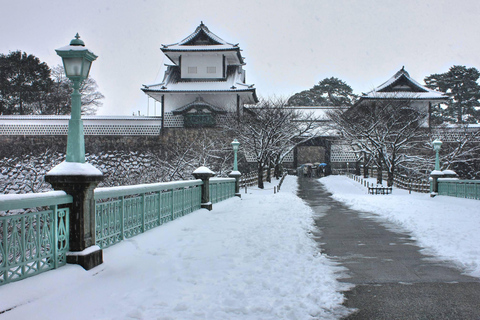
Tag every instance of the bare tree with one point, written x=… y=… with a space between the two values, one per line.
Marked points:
x=58 y=100
x=385 y=129
x=460 y=150
x=270 y=130
x=183 y=155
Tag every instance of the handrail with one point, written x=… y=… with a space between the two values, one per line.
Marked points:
x=221 y=180
x=33 y=242
x=110 y=192
x=32 y=200
x=469 y=189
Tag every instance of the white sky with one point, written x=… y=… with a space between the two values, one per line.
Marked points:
x=289 y=45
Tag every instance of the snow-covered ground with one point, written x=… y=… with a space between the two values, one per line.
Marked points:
x=446 y=227
x=249 y=258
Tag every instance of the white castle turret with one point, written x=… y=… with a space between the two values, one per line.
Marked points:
x=205 y=81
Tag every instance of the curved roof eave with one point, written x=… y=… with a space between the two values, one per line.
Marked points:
x=403 y=98
x=198 y=49
x=193 y=91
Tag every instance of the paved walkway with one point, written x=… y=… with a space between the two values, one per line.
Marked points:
x=392 y=278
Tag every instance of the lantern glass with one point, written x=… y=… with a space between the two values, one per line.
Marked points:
x=86 y=68
x=235 y=145
x=437 y=145
x=73 y=67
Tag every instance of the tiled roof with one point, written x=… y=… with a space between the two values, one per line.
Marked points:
x=173 y=82
x=401 y=86
x=201 y=39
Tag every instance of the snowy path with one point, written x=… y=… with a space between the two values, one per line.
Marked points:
x=249 y=258
x=393 y=278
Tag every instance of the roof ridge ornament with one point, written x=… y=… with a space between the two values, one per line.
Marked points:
x=402 y=71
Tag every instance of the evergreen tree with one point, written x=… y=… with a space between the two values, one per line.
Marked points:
x=24 y=80
x=460 y=83
x=328 y=92
x=29 y=86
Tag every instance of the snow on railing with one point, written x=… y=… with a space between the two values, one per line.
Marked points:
x=126 y=211
x=221 y=189
x=33 y=242
x=469 y=189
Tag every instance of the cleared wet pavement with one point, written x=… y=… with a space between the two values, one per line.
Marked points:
x=392 y=278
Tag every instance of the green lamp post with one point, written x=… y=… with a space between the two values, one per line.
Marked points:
x=235 y=173
x=437 y=144
x=77 y=60
x=235 y=145
x=74 y=176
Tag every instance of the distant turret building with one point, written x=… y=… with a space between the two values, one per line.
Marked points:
x=402 y=87
x=205 y=81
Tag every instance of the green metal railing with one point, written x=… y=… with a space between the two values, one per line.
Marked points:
x=221 y=189
x=31 y=243
x=34 y=242
x=469 y=189
x=123 y=212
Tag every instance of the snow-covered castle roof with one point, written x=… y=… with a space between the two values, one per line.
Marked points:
x=172 y=82
x=201 y=43
x=402 y=86
x=202 y=39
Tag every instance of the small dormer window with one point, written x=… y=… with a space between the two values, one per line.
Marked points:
x=211 y=69
x=192 y=69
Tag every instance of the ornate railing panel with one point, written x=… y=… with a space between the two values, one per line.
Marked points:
x=31 y=243
x=469 y=189
x=221 y=189
x=123 y=212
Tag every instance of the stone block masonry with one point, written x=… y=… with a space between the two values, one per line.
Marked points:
x=24 y=160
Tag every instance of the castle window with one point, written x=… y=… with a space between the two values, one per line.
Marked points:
x=211 y=69
x=192 y=69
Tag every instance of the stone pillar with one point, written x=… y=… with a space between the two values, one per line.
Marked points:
x=80 y=184
x=204 y=174
x=236 y=175
x=434 y=176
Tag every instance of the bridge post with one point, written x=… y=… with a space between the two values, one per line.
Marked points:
x=83 y=250
x=204 y=174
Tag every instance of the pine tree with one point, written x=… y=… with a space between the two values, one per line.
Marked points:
x=24 y=80
x=328 y=92
x=460 y=83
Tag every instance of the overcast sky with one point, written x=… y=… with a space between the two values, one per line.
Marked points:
x=289 y=45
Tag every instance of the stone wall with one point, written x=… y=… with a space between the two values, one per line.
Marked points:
x=24 y=160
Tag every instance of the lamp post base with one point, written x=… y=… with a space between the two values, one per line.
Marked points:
x=88 y=258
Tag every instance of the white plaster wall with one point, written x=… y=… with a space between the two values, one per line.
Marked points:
x=202 y=61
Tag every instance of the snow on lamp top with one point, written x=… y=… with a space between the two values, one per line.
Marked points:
x=77 y=59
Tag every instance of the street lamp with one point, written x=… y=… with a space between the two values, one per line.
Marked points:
x=235 y=173
x=77 y=60
x=437 y=144
x=235 y=145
